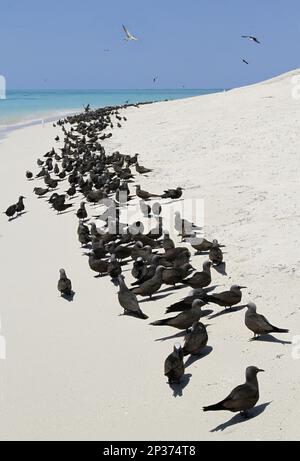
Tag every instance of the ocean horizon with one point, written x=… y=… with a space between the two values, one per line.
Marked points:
x=26 y=106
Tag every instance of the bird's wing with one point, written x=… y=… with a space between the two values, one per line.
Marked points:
x=263 y=323
x=245 y=36
x=126 y=31
x=225 y=296
x=242 y=392
x=170 y=363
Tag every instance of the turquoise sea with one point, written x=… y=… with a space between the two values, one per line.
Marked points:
x=31 y=106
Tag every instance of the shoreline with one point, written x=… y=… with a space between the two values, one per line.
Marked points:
x=79 y=370
x=63 y=112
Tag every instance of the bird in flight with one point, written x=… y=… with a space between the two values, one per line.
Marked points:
x=244 y=60
x=106 y=49
x=129 y=36
x=250 y=37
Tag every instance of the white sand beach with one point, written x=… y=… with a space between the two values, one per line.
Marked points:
x=81 y=371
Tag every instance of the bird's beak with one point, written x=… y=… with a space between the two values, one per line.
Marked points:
x=260 y=369
x=242 y=287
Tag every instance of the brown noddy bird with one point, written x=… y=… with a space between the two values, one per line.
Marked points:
x=143 y=194
x=195 y=339
x=81 y=212
x=200 y=279
x=226 y=298
x=20 y=205
x=141 y=169
x=185 y=319
x=241 y=398
x=98 y=265
x=114 y=268
x=173 y=193
x=151 y=286
x=174 y=366
x=216 y=254
x=200 y=244
x=128 y=300
x=64 y=284
x=40 y=191
x=258 y=323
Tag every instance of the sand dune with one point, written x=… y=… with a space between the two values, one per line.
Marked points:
x=78 y=370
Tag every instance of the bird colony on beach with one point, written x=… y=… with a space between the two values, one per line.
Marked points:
x=83 y=168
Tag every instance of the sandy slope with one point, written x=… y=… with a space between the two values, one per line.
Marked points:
x=79 y=370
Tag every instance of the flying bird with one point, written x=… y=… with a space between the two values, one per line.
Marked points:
x=244 y=60
x=250 y=37
x=129 y=36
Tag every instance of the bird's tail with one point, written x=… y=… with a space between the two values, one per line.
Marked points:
x=215 y=407
x=280 y=330
x=160 y=322
x=143 y=316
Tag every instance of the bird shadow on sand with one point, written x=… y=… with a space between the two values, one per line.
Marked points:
x=176 y=335
x=194 y=358
x=154 y=299
x=178 y=387
x=221 y=268
x=17 y=216
x=270 y=339
x=237 y=419
x=69 y=297
x=229 y=310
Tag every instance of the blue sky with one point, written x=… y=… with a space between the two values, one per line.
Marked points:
x=196 y=43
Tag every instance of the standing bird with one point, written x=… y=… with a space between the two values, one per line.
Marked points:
x=216 y=254
x=64 y=285
x=39 y=191
x=226 y=298
x=195 y=339
x=250 y=37
x=128 y=36
x=258 y=323
x=81 y=212
x=173 y=193
x=29 y=174
x=174 y=366
x=128 y=300
x=200 y=279
x=151 y=286
x=242 y=398
x=11 y=210
x=143 y=194
x=185 y=319
x=20 y=205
